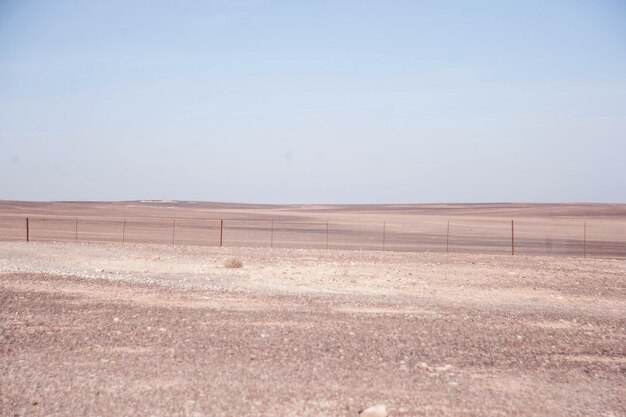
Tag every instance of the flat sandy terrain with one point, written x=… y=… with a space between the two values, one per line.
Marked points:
x=597 y=230
x=166 y=330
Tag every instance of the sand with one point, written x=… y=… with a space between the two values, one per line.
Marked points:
x=596 y=230
x=166 y=330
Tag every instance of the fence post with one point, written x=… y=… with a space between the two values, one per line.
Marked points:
x=512 y=238
x=384 y=236
x=221 y=232
x=448 y=238
x=272 y=236
x=27 y=231
x=124 y=232
x=326 y=235
x=173 y=231
x=585 y=240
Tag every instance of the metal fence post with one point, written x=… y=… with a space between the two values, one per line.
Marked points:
x=448 y=238
x=585 y=240
x=326 y=235
x=384 y=236
x=221 y=232
x=27 y=231
x=173 y=231
x=124 y=232
x=512 y=238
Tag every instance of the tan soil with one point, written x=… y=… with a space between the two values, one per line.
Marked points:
x=150 y=330
x=596 y=230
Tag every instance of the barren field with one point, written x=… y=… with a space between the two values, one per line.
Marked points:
x=98 y=329
x=597 y=230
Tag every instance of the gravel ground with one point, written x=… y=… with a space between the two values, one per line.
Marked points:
x=99 y=329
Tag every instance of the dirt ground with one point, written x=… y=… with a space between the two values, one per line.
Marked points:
x=595 y=230
x=154 y=330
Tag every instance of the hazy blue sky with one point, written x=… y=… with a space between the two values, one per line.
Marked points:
x=313 y=101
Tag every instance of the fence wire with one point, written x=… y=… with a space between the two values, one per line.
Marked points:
x=528 y=236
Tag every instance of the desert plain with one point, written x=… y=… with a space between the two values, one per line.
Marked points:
x=161 y=329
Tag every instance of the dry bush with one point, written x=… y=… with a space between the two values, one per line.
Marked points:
x=233 y=263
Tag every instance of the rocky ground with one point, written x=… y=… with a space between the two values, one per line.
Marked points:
x=148 y=330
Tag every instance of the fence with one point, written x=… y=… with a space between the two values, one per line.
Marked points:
x=600 y=238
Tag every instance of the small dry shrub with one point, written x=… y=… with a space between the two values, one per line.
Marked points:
x=233 y=263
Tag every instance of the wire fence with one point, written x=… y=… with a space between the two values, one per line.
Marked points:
x=598 y=238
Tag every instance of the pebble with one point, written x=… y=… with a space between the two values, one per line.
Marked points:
x=379 y=410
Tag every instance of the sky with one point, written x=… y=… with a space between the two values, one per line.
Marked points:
x=307 y=102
